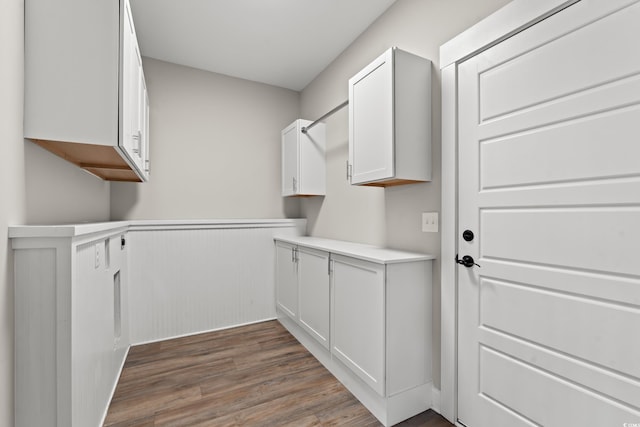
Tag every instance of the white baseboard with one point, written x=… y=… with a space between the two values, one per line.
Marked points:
x=435 y=399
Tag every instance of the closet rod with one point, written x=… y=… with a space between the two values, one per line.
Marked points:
x=306 y=128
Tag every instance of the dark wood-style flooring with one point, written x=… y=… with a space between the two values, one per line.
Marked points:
x=256 y=375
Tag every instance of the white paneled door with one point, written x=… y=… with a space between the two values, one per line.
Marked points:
x=549 y=184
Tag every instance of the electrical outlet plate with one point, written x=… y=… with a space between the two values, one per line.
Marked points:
x=430 y=222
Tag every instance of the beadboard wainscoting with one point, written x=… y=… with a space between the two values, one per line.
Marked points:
x=189 y=277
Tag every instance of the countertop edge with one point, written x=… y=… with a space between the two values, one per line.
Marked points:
x=362 y=251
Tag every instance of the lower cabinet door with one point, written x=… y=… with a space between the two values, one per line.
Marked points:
x=358 y=318
x=313 y=288
x=286 y=279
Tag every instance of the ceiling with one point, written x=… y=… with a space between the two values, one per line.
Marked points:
x=285 y=43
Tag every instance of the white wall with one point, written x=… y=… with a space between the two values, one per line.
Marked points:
x=35 y=186
x=11 y=184
x=215 y=148
x=57 y=191
x=390 y=216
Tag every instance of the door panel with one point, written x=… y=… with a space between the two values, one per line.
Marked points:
x=561 y=63
x=313 y=274
x=371 y=138
x=132 y=93
x=578 y=143
x=359 y=318
x=549 y=181
x=562 y=403
x=290 y=156
x=286 y=279
x=605 y=239
x=570 y=323
x=128 y=84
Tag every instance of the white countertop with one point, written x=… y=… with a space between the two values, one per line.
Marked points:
x=81 y=229
x=358 y=250
x=64 y=230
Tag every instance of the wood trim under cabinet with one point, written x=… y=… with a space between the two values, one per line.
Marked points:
x=103 y=161
x=392 y=183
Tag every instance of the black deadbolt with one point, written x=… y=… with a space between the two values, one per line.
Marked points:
x=467 y=235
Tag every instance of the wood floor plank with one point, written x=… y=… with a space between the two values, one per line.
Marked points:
x=141 y=407
x=249 y=396
x=254 y=375
x=166 y=381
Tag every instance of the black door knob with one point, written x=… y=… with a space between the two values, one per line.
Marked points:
x=467 y=261
x=467 y=235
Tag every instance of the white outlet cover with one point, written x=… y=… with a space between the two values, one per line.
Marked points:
x=430 y=222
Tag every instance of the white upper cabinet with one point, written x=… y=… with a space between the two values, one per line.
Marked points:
x=390 y=121
x=135 y=102
x=85 y=95
x=303 y=160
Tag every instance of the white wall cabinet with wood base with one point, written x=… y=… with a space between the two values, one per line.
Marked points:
x=390 y=121
x=376 y=304
x=303 y=160
x=85 y=96
x=71 y=322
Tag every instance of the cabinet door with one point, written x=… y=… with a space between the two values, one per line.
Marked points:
x=371 y=130
x=358 y=318
x=131 y=135
x=313 y=288
x=286 y=279
x=290 y=156
x=144 y=123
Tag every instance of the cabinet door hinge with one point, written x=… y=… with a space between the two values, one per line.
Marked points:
x=349 y=170
x=329 y=266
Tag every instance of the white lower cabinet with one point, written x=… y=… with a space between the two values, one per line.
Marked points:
x=370 y=310
x=302 y=288
x=313 y=291
x=71 y=324
x=358 y=318
x=287 y=284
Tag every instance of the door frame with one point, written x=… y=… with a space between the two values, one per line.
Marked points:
x=507 y=21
